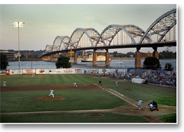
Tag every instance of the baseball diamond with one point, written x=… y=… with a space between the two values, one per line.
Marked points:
x=86 y=99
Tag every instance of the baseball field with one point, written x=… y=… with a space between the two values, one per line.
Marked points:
x=24 y=100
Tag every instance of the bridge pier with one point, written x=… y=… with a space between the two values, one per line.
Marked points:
x=107 y=63
x=46 y=58
x=106 y=54
x=139 y=55
x=54 y=57
x=94 y=58
x=83 y=52
x=75 y=58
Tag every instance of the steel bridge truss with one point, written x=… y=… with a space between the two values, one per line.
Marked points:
x=118 y=35
x=83 y=37
x=60 y=43
x=161 y=26
x=48 y=48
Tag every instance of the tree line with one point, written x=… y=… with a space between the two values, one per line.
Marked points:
x=162 y=55
x=128 y=54
x=167 y=55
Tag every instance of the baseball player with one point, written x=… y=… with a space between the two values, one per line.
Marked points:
x=100 y=83
x=51 y=93
x=151 y=106
x=139 y=104
x=116 y=82
x=33 y=75
x=74 y=84
x=155 y=105
x=4 y=83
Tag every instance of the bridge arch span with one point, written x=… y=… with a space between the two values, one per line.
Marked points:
x=48 y=48
x=60 y=43
x=161 y=26
x=109 y=33
x=76 y=37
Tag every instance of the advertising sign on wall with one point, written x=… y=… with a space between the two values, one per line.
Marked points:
x=88 y=71
x=104 y=70
x=2 y=72
x=55 y=71
x=59 y=71
x=42 y=71
x=15 y=72
x=7 y=72
x=28 y=71
x=68 y=71
x=79 y=71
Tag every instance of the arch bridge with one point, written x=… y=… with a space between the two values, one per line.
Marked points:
x=162 y=32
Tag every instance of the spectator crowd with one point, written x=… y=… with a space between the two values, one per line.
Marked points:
x=154 y=77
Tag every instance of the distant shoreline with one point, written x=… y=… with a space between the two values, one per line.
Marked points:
x=124 y=58
x=26 y=60
x=133 y=58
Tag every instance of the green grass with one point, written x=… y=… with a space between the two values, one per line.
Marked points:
x=170 y=118
x=22 y=101
x=161 y=96
x=77 y=99
x=21 y=80
x=72 y=118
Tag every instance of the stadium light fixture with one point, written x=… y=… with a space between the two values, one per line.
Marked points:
x=18 y=24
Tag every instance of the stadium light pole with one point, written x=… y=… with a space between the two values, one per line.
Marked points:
x=18 y=24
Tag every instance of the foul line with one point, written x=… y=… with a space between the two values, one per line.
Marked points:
x=117 y=94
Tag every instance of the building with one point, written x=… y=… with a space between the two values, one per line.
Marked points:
x=9 y=55
x=29 y=53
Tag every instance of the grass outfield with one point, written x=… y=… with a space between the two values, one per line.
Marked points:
x=77 y=99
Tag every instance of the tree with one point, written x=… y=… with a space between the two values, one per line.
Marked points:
x=167 y=54
x=151 y=63
x=35 y=56
x=168 y=67
x=63 y=62
x=22 y=57
x=3 y=61
x=130 y=53
x=115 y=53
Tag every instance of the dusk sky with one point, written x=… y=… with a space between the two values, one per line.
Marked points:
x=44 y=22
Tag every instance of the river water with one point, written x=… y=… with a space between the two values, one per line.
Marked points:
x=87 y=65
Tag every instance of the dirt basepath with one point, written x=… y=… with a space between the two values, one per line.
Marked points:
x=48 y=87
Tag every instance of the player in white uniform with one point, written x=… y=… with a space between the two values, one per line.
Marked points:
x=4 y=83
x=51 y=93
x=151 y=106
x=139 y=104
x=116 y=82
x=33 y=75
x=74 y=84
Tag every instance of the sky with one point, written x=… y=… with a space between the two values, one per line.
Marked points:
x=43 y=22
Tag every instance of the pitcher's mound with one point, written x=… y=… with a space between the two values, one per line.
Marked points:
x=127 y=89
x=49 y=98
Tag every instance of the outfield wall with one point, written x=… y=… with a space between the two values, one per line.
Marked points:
x=78 y=71
x=60 y=71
